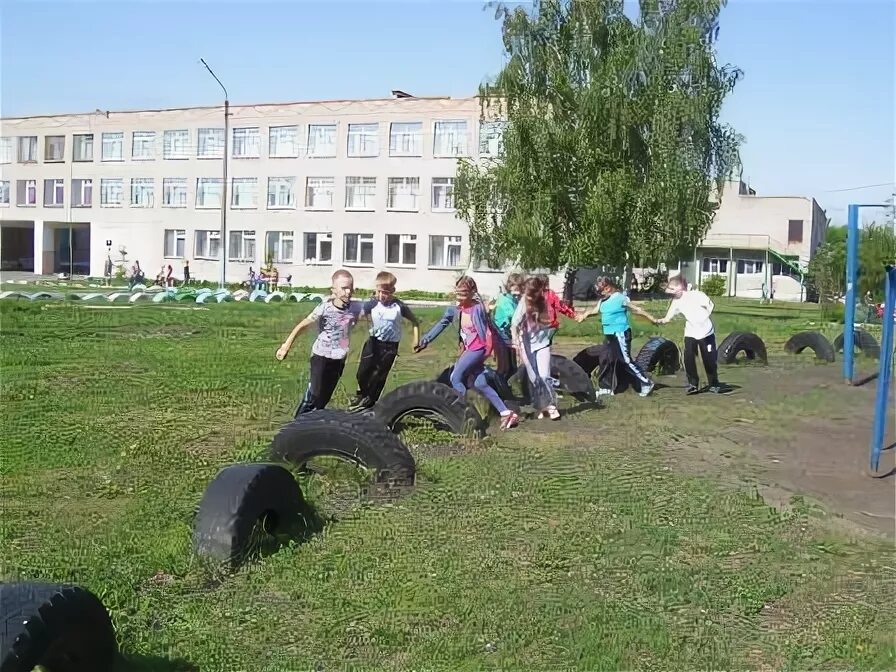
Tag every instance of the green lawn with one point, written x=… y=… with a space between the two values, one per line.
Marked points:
x=567 y=547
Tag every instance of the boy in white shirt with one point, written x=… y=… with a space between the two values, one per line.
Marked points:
x=699 y=333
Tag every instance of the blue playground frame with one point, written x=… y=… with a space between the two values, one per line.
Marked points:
x=886 y=345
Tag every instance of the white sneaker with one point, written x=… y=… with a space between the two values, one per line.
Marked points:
x=646 y=389
x=601 y=392
x=553 y=413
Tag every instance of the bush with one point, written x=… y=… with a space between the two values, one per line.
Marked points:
x=714 y=285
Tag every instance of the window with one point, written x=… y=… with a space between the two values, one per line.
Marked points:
x=28 y=149
x=5 y=150
x=111 y=192
x=207 y=244
x=241 y=246
x=174 y=192
x=283 y=142
x=143 y=144
x=401 y=249
x=406 y=139
x=749 y=266
x=113 y=144
x=322 y=140
x=318 y=248
x=319 y=193
x=449 y=138
x=404 y=194
x=54 y=193
x=54 y=148
x=245 y=143
x=491 y=138
x=26 y=192
x=175 y=243
x=795 y=231
x=784 y=269
x=82 y=193
x=143 y=192
x=244 y=192
x=210 y=143
x=358 y=248
x=4 y=192
x=82 y=147
x=281 y=192
x=360 y=193
x=715 y=265
x=444 y=251
x=443 y=193
x=208 y=192
x=363 y=140
x=176 y=144
x=278 y=246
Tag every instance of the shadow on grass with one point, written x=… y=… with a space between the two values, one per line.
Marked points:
x=153 y=664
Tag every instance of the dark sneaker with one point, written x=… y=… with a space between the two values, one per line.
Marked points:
x=360 y=404
x=692 y=389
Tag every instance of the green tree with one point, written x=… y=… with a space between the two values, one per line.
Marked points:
x=612 y=145
x=827 y=270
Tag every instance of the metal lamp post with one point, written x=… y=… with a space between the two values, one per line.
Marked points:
x=223 y=279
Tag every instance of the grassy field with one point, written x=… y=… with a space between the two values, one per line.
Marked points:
x=561 y=547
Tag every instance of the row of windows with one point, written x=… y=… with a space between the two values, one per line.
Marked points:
x=317 y=248
x=744 y=267
x=363 y=140
x=402 y=195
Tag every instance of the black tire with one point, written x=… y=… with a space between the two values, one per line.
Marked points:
x=749 y=344
x=239 y=498
x=813 y=340
x=62 y=628
x=661 y=355
x=359 y=438
x=590 y=358
x=862 y=341
x=721 y=347
x=570 y=378
x=433 y=399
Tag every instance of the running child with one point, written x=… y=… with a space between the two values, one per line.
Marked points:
x=379 y=353
x=532 y=336
x=699 y=333
x=614 y=307
x=335 y=318
x=477 y=343
x=556 y=304
x=505 y=307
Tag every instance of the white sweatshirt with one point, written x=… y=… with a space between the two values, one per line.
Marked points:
x=696 y=307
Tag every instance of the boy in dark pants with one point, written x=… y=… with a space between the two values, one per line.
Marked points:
x=381 y=349
x=335 y=319
x=699 y=333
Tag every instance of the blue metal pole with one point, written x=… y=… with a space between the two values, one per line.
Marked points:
x=886 y=369
x=852 y=259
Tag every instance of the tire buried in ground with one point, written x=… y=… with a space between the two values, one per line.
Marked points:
x=743 y=342
x=60 y=628
x=591 y=357
x=434 y=401
x=572 y=378
x=660 y=355
x=814 y=341
x=248 y=509
x=721 y=347
x=863 y=342
x=361 y=439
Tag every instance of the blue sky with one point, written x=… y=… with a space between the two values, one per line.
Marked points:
x=816 y=103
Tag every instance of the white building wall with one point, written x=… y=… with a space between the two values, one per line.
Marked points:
x=141 y=230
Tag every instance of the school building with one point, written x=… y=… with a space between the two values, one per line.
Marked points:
x=313 y=186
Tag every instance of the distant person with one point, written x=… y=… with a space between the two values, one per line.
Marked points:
x=169 y=276
x=137 y=275
x=107 y=270
x=186 y=272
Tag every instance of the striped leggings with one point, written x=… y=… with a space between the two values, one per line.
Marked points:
x=621 y=343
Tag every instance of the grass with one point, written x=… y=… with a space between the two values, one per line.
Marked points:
x=570 y=547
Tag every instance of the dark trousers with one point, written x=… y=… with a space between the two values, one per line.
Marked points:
x=377 y=359
x=708 y=354
x=325 y=375
x=621 y=349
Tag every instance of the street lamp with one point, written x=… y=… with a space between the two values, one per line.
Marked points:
x=224 y=176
